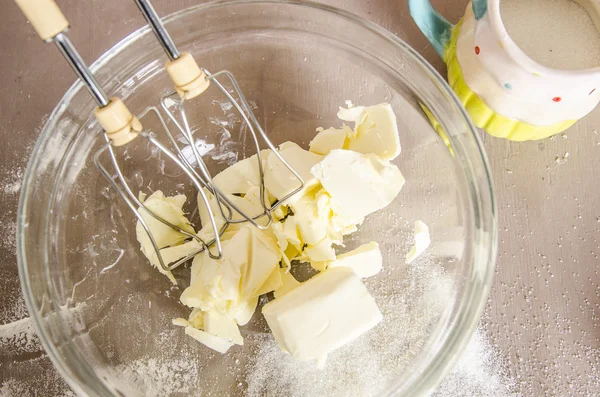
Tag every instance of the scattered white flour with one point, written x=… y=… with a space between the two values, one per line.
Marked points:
x=365 y=366
x=43 y=380
x=11 y=183
x=11 y=388
x=15 y=310
x=480 y=372
x=8 y=236
x=19 y=337
x=154 y=377
x=361 y=368
x=25 y=369
x=409 y=305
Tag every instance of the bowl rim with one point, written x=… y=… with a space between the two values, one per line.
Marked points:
x=459 y=334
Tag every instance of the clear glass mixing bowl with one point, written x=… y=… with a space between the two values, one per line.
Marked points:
x=104 y=316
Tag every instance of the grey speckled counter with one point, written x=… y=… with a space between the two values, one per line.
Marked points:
x=544 y=312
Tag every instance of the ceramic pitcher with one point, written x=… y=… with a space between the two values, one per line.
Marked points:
x=506 y=93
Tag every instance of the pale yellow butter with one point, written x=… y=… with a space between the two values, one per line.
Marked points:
x=322 y=314
x=375 y=130
x=422 y=241
x=365 y=261
x=170 y=209
x=330 y=139
x=359 y=184
x=280 y=181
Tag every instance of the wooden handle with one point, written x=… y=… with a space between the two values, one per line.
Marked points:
x=120 y=124
x=45 y=17
x=190 y=81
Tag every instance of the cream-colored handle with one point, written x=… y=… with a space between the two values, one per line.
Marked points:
x=45 y=17
x=120 y=124
x=190 y=81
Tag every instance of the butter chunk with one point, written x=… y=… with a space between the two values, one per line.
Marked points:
x=195 y=320
x=312 y=218
x=358 y=184
x=173 y=254
x=322 y=314
x=263 y=258
x=375 y=130
x=280 y=212
x=280 y=181
x=170 y=209
x=209 y=340
x=320 y=266
x=177 y=252
x=272 y=283
x=249 y=259
x=181 y=322
x=219 y=279
x=289 y=282
x=330 y=139
x=247 y=205
x=213 y=342
x=244 y=311
x=241 y=176
x=320 y=252
x=222 y=326
x=365 y=261
x=422 y=241
x=287 y=233
x=253 y=196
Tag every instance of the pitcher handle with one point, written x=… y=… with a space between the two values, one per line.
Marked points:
x=434 y=26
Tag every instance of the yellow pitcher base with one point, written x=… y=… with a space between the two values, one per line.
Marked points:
x=484 y=116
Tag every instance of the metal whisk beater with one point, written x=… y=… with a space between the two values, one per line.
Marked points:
x=121 y=126
x=191 y=81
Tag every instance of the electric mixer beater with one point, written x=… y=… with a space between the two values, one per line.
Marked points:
x=122 y=127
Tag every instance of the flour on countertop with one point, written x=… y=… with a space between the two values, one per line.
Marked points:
x=19 y=337
x=25 y=369
x=480 y=372
x=16 y=310
x=373 y=360
x=154 y=377
x=8 y=236
x=365 y=364
x=43 y=380
x=11 y=182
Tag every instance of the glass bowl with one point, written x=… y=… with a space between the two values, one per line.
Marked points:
x=104 y=315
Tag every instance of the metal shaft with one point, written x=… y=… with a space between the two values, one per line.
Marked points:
x=157 y=27
x=79 y=66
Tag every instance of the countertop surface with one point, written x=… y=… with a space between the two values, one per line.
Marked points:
x=543 y=316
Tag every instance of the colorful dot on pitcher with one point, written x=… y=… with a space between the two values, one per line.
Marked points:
x=477 y=50
x=536 y=74
x=592 y=91
x=557 y=99
x=508 y=86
